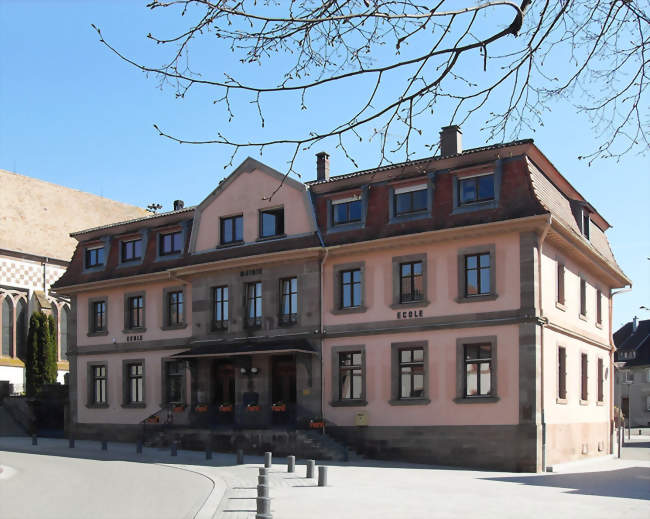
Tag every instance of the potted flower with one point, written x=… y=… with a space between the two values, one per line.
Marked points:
x=279 y=407
x=253 y=408
x=201 y=408
x=317 y=423
x=178 y=408
x=225 y=407
x=153 y=419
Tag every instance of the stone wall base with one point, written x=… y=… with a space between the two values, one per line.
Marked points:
x=497 y=447
x=577 y=441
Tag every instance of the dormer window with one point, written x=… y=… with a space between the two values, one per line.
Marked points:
x=476 y=189
x=346 y=210
x=232 y=229
x=409 y=200
x=271 y=223
x=131 y=250
x=586 y=221
x=170 y=243
x=94 y=257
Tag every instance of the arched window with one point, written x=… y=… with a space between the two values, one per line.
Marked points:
x=63 y=335
x=21 y=328
x=7 y=326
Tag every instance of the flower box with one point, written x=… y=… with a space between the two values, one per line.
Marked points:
x=153 y=419
x=225 y=408
x=316 y=424
x=178 y=408
x=253 y=408
x=201 y=408
x=279 y=408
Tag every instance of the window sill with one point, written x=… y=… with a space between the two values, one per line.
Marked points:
x=282 y=323
x=353 y=226
x=351 y=310
x=599 y=326
x=475 y=206
x=217 y=329
x=582 y=317
x=560 y=306
x=349 y=403
x=274 y=237
x=562 y=401
x=134 y=406
x=407 y=217
x=230 y=244
x=174 y=326
x=97 y=406
x=410 y=401
x=477 y=400
x=97 y=334
x=475 y=299
x=600 y=402
x=140 y=329
x=411 y=304
x=584 y=402
x=167 y=257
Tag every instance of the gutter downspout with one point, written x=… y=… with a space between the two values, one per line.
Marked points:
x=612 y=293
x=541 y=334
x=322 y=333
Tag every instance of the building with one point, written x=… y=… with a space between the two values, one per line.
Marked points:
x=633 y=372
x=458 y=308
x=36 y=218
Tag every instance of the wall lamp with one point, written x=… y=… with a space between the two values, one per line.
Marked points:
x=250 y=371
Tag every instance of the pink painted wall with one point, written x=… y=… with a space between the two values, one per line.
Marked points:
x=442 y=281
x=245 y=195
x=153 y=314
x=115 y=413
x=442 y=381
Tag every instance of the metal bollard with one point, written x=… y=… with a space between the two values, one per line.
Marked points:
x=322 y=476
x=291 y=464
x=263 y=508
x=240 y=457
x=263 y=471
x=262 y=491
x=268 y=459
x=138 y=447
x=311 y=465
x=34 y=439
x=263 y=480
x=104 y=445
x=174 y=449
x=71 y=443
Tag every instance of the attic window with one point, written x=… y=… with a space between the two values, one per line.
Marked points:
x=585 y=224
x=271 y=223
x=476 y=189
x=94 y=256
x=170 y=243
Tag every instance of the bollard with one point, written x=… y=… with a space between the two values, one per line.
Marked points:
x=268 y=459
x=322 y=476
x=311 y=464
x=240 y=457
x=208 y=453
x=263 y=471
x=263 y=508
x=138 y=447
x=34 y=439
x=262 y=491
x=104 y=445
x=174 y=449
x=263 y=480
x=71 y=443
x=291 y=464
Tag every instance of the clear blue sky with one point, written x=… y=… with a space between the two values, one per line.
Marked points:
x=74 y=114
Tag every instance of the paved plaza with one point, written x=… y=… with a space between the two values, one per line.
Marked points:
x=51 y=480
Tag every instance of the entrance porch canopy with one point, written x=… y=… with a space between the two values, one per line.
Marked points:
x=210 y=349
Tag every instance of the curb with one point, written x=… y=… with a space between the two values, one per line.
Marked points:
x=571 y=466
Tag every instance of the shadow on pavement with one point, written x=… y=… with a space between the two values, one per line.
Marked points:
x=629 y=483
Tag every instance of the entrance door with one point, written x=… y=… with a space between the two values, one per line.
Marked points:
x=224 y=380
x=283 y=389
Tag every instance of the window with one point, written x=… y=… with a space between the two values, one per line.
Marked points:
x=254 y=304
x=351 y=288
x=411 y=282
x=350 y=375
x=411 y=373
x=175 y=308
x=584 y=394
x=478 y=370
x=599 y=307
x=561 y=373
x=98 y=316
x=647 y=375
x=21 y=328
x=220 y=308
x=346 y=211
x=600 y=380
x=271 y=223
x=232 y=229
x=477 y=275
x=475 y=189
x=94 y=257
x=410 y=200
x=131 y=250
x=647 y=403
x=63 y=332
x=628 y=376
x=583 y=298
x=560 y=283
x=288 y=301
x=170 y=243
x=98 y=395
x=7 y=327
x=174 y=382
x=135 y=317
x=585 y=223
x=135 y=378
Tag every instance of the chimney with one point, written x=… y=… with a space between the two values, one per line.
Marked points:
x=635 y=324
x=178 y=204
x=451 y=141
x=322 y=166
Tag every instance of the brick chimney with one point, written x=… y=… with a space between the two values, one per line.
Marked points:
x=635 y=324
x=322 y=166
x=178 y=204
x=451 y=140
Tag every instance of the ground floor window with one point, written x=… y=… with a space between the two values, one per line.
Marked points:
x=135 y=379
x=478 y=369
x=350 y=375
x=411 y=373
x=174 y=381
x=98 y=385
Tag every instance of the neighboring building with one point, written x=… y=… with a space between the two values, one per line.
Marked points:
x=36 y=218
x=633 y=372
x=458 y=307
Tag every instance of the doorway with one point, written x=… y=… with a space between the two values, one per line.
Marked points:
x=283 y=390
x=224 y=390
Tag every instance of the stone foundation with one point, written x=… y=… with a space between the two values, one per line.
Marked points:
x=577 y=441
